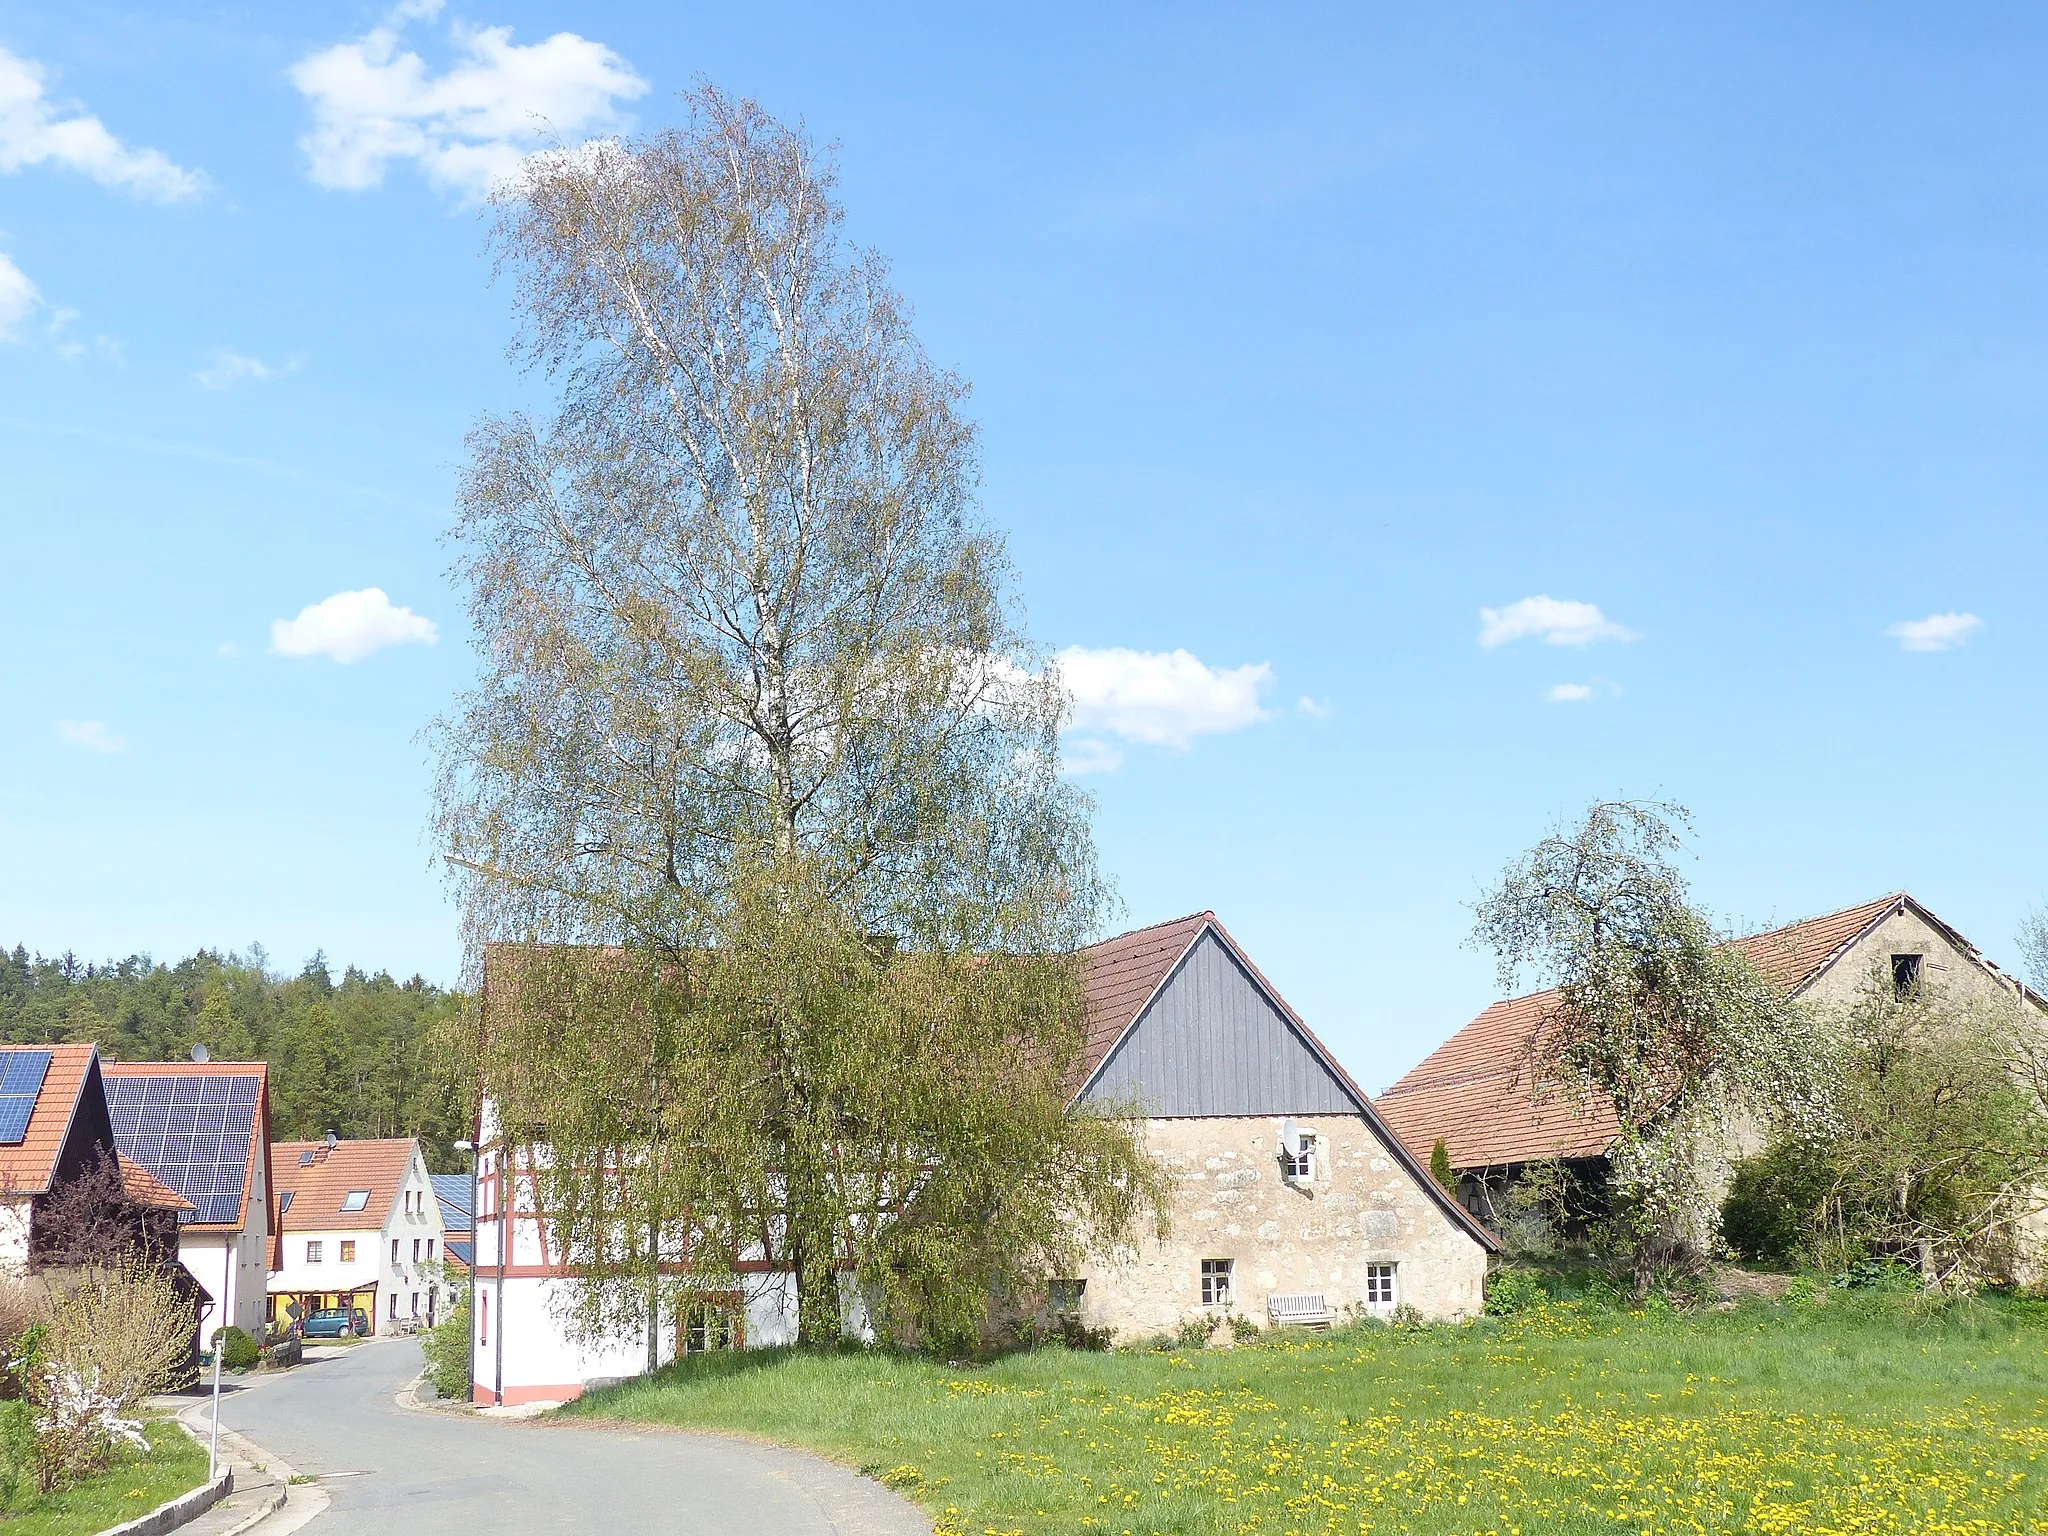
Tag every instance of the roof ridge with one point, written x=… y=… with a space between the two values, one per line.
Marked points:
x=1172 y=922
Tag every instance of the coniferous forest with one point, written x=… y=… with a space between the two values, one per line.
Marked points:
x=361 y=1055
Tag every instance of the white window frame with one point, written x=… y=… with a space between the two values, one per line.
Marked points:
x=313 y=1251
x=1382 y=1286
x=355 y=1200
x=1065 y=1298
x=1219 y=1282
x=1302 y=1169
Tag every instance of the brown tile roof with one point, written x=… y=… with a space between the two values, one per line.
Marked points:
x=1474 y=1091
x=145 y=1188
x=317 y=1189
x=259 y=1130
x=1125 y=972
x=26 y=1168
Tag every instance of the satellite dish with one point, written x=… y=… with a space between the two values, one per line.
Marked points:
x=201 y=1053
x=1290 y=1138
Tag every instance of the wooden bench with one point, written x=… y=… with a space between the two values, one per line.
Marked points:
x=1304 y=1310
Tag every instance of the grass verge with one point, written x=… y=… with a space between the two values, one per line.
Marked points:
x=130 y=1488
x=1854 y=1415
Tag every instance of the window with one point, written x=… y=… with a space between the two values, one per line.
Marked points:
x=313 y=1252
x=415 y=1250
x=306 y=1158
x=394 y=1306
x=394 y=1253
x=348 y=1250
x=709 y=1325
x=430 y=1250
x=1379 y=1285
x=415 y=1303
x=284 y=1201
x=1216 y=1282
x=483 y=1318
x=355 y=1200
x=1300 y=1167
x=1063 y=1297
x=1906 y=978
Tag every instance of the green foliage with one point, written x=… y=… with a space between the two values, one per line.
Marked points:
x=1243 y=1330
x=239 y=1351
x=447 y=1349
x=1196 y=1332
x=1656 y=1015
x=1773 y=1201
x=1440 y=1166
x=364 y=1056
x=17 y=1453
x=1509 y=1291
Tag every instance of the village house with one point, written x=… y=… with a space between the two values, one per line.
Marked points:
x=454 y=1194
x=1474 y=1092
x=203 y=1129
x=1291 y=1200
x=54 y=1127
x=358 y=1227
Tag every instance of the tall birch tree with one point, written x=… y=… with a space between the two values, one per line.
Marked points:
x=759 y=729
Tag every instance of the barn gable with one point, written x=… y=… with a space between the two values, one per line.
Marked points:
x=1212 y=1040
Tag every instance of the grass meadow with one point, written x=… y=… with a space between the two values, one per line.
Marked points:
x=1854 y=1414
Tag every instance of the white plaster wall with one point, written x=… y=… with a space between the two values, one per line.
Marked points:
x=16 y=1212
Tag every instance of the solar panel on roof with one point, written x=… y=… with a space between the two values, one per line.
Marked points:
x=191 y=1132
x=21 y=1079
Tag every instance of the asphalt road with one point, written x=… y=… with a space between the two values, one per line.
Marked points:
x=414 y=1471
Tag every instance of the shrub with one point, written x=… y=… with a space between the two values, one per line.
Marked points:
x=1509 y=1291
x=1440 y=1166
x=447 y=1346
x=238 y=1350
x=1243 y=1330
x=1771 y=1202
x=1075 y=1334
x=1195 y=1332
x=117 y=1335
x=17 y=1452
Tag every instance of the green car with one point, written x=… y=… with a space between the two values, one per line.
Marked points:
x=334 y=1323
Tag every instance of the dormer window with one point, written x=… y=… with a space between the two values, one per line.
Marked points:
x=355 y=1200
x=1906 y=978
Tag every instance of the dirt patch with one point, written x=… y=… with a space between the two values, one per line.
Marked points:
x=1733 y=1284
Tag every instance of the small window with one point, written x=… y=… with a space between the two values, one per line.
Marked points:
x=483 y=1318
x=1300 y=1167
x=430 y=1250
x=1216 y=1282
x=1063 y=1297
x=313 y=1252
x=348 y=1250
x=710 y=1325
x=415 y=1250
x=415 y=1303
x=1906 y=978
x=394 y=1253
x=306 y=1158
x=355 y=1200
x=284 y=1201
x=394 y=1306
x=1379 y=1286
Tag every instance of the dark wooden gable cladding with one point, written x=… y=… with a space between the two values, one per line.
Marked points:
x=1213 y=1042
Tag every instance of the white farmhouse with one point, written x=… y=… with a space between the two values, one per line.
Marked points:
x=203 y=1129
x=358 y=1227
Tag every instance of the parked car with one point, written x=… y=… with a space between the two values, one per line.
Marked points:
x=335 y=1323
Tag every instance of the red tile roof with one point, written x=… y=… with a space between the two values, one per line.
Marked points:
x=26 y=1168
x=145 y=1188
x=318 y=1189
x=1125 y=973
x=1475 y=1090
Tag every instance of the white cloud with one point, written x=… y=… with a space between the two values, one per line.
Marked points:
x=1163 y=697
x=1315 y=709
x=467 y=127
x=1936 y=632
x=91 y=735
x=1555 y=621
x=1084 y=754
x=349 y=626
x=18 y=298
x=1570 y=693
x=230 y=367
x=34 y=130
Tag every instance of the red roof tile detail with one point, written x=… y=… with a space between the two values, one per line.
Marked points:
x=25 y=1169
x=1122 y=975
x=318 y=1190
x=145 y=1188
x=1476 y=1090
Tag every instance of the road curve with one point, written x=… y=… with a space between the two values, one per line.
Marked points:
x=444 y=1472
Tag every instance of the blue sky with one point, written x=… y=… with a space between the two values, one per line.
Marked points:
x=1302 y=340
